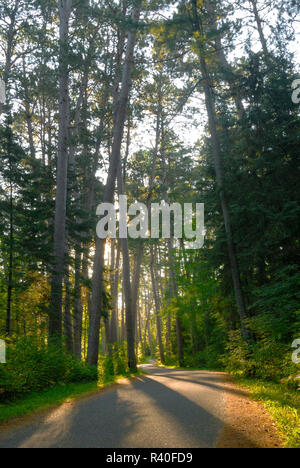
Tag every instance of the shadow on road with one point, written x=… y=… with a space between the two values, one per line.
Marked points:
x=204 y=382
x=145 y=413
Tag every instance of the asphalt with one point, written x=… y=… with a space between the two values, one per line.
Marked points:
x=166 y=408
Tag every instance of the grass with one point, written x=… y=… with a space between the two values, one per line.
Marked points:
x=55 y=396
x=282 y=403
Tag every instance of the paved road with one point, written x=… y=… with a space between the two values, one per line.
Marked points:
x=165 y=408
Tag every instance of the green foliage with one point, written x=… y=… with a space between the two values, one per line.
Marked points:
x=209 y=358
x=81 y=372
x=277 y=307
x=120 y=359
x=114 y=363
x=33 y=366
x=41 y=400
x=108 y=368
x=267 y=359
x=236 y=360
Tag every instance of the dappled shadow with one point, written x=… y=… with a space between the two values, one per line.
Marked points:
x=206 y=378
x=39 y=430
x=96 y=422
x=149 y=411
x=200 y=425
x=214 y=386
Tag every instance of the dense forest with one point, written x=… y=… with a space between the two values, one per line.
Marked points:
x=159 y=100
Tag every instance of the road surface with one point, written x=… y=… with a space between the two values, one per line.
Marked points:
x=166 y=408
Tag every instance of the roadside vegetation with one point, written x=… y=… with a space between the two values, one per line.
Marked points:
x=282 y=403
x=37 y=377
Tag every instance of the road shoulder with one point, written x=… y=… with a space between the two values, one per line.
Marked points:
x=247 y=423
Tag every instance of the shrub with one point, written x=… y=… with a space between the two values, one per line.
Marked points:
x=120 y=359
x=7 y=383
x=266 y=359
x=108 y=367
x=115 y=363
x=32 y=366
x=209 y=358
x=81 y=372
x=237 y=355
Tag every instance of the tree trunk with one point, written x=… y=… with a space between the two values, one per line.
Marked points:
x=78 y=312
x=140 y=253
x=168 y=335
x=136 y=280
x=148 y=327
x=226 y=67
x=123 y=330
x=115 y=162
x=179 y=331
x=193 y=320
x=81 y=106
x=115 y=290
x=12 y=29
x=140 y=325
x=212 y=117
x=55 y=316
x=130 y=308
x=67 y=315
x=10 y=266
x=225 y=209
x=157 y=306
x=260 y=28
x=28 y=114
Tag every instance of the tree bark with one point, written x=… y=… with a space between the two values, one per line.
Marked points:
x=140 y=253
x=10 y=265
x=148 y=324
x=78 y=311
x=67 y=316
x=11 y=36
x=179 y=330
x=74 y=191
x=123 y=329
x=260 y=28
x=55 y=315
x=226 y=67
x=115 y=290
x=115 y=162
x=157 y=306
x=212 y=118
x=130 y=308
x=8 y=62
x=28 y=114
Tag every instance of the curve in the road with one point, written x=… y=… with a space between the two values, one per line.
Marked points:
x=165 y=408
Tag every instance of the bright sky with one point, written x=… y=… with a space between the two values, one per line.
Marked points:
x=187 y=130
